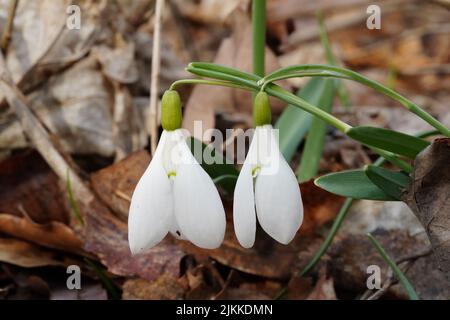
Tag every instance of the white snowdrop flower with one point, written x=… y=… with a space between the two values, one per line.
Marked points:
x=175 y=194
x=266 y=187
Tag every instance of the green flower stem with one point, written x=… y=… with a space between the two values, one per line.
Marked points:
x=259 y=36
x=361 y=79
x=400 y=275
x=223 y=69
x=288 y=97
x=224 y=76
x=324 y=74
x=251 y=83
x=177 y=83
x=231 y=75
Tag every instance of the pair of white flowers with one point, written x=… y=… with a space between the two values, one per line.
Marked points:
x=176 y=195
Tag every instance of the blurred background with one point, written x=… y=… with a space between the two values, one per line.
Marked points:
x=74 y=140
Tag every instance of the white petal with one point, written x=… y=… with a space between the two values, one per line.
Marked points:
x=170 y=155
x=262 y=140
x=278 y=200
x=151 y=207
x=267 y=149
x=175 y=229
x=244 y=216
x=198 y=207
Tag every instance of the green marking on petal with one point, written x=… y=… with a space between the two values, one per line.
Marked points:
x=255 y=171
x=171 y=174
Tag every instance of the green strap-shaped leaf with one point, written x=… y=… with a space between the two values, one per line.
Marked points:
x=352 y=184
x=392 y=183
x=312 y=152
x=398 y=272
x=294 y=123
x=393 y=141
x=215 y=164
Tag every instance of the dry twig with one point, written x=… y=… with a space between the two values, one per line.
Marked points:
x=6 y=35
x=152 y=126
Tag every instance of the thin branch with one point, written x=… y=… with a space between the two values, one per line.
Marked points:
x=152 y=125
x=6 y=35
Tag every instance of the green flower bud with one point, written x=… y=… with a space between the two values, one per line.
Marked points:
x=171 y=115
x=261 y=110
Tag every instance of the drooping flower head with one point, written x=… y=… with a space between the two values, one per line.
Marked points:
x=175 y=194
x=266 y=188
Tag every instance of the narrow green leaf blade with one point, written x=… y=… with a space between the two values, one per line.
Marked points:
x=400 y=275
x=215 y=164
x=71 y=198
x=352 y=184
x=331 y=59
x=393 y=141
x=294 y=123
x=312 y=152
x=392 y=183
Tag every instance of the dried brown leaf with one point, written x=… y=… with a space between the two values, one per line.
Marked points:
x=428 y=197
x=107 y=237
x=119 y=63
x=25 y=254
x=52 y=235
x=29 y=187
x=115 y=184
